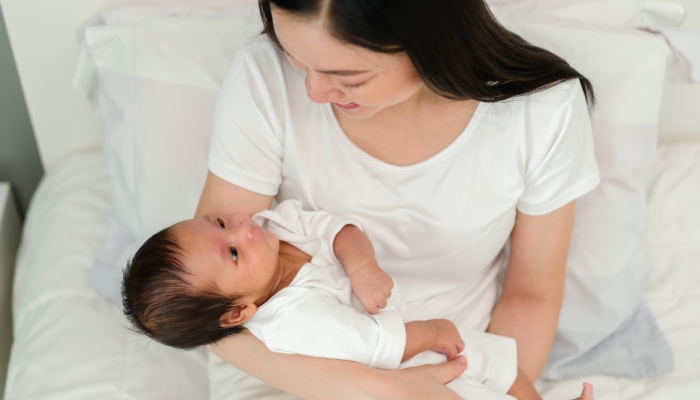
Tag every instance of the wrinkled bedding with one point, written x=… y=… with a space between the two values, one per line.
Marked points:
x=72 y=344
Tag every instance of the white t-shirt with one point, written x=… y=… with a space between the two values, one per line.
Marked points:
x=439 y=227
x=318 y=315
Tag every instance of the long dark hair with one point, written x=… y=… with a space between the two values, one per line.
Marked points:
x=458 y=47
x=160 y=303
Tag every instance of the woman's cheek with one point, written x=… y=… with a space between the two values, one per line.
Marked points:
x=296 y=64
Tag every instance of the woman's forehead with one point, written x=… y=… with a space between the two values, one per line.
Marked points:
x=308 y=40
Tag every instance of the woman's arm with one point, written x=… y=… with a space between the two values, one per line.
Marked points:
x=533 y=289
x=310 y=377
x=323 y=378
x=220 y=197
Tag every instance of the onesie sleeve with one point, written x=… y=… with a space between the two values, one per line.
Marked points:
x=315 y=223
x=247 y=142
x=319 y=326
x=491 y=359
x=562 y=165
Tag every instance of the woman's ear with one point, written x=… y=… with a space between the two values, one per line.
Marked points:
x=238 y=316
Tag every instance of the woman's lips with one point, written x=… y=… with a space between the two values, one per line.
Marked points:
x=347 y=106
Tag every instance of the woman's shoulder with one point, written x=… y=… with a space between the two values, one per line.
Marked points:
x=540 y=111
x=552 y=100
x=260 y=54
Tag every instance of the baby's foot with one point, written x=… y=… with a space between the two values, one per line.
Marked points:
x=587 y=393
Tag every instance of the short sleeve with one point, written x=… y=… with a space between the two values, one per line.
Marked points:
x=313 y=232
x=319 y=326
x=247 y=141
x=563 y=166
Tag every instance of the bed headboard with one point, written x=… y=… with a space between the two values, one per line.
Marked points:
x=43 y=37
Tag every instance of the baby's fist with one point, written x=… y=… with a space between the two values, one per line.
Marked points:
x=372 y=286
x=447 y=338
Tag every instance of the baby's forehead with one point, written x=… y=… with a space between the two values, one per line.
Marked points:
x=194 y=258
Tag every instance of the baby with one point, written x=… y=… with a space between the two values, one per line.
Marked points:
x=290 y=285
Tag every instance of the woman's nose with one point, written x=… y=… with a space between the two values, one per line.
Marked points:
x=320 y=89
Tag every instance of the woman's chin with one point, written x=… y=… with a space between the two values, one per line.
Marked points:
x=360 y=112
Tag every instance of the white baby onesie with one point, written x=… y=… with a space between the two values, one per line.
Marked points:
x=318 y=315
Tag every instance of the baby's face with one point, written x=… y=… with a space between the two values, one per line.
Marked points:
x=231 y=253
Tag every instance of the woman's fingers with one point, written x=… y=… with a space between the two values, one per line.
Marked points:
x=447 y=371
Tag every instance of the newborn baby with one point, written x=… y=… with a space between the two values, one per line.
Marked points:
x=205 y=279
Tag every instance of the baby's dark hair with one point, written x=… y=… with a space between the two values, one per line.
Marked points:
x=161 y=304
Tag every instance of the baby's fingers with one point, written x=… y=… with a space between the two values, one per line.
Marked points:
x=372 y=309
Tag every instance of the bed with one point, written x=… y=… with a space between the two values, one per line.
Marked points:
x=71 y=343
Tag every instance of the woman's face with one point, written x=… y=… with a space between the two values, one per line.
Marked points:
x=359 y=82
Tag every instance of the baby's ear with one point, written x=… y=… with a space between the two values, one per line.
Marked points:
x=238 y=316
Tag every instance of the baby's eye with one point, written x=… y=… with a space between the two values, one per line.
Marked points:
x=221 y=223
x=234 y=254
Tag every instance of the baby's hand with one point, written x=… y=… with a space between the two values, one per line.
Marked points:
x=372 y=286
x=447 y=338
x=587 y=393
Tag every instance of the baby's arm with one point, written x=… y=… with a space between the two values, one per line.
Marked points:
x=371 y=285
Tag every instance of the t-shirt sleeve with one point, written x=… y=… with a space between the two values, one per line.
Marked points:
x=562 y=166
x=247 y=142
x=319 y=326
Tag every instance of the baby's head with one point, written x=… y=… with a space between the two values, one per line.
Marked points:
x=198 y=281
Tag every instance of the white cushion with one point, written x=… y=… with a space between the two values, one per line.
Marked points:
x=154 y=83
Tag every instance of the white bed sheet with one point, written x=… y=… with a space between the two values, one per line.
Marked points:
x=72 y=344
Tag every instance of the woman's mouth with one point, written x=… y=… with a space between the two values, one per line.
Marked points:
x=346 y=106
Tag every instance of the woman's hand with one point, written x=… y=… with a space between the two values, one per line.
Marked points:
x=322 y=378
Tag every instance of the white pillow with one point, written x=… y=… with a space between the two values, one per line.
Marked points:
x=155 y=93
x=153 y=84
x=605 y=325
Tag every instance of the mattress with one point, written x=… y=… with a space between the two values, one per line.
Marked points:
x=73 y=344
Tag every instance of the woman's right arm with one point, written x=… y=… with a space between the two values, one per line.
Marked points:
x=311 y=377
x=220 y=197
x=324 y=378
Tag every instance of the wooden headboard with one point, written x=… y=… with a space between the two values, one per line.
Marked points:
x=43 y=38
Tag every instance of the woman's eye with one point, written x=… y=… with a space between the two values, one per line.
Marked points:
x=359 y=85
x=234 y=254
x=221 y=223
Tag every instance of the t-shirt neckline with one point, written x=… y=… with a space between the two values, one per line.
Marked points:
x=462 y=139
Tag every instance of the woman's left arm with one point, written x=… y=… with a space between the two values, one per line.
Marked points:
x=533 y=290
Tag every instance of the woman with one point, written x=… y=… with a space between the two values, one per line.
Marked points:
x=441 y=132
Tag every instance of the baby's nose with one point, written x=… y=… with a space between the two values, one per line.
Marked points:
x=243 y=231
